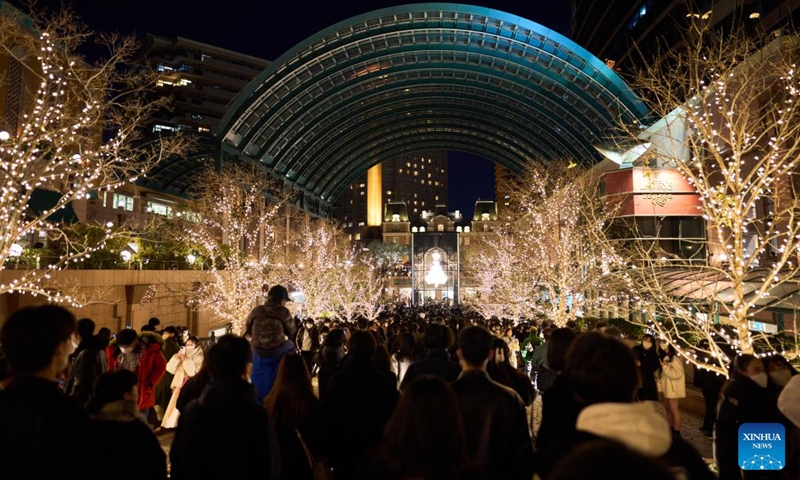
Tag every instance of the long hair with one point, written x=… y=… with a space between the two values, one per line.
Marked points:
x=291 y=399
x=425 y=436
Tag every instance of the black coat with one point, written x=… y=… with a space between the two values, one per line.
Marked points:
x=358 y=402
x=741 y=401
x=649 y=364
x=164 y=387
x=129 y=450
x=329 y=360
x=560 y=411
x=88 y=365
x=225 y=434
x=436 y=362
x=44 y=433
x=498 y=439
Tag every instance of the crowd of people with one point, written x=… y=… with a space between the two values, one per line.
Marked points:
x=425 y=392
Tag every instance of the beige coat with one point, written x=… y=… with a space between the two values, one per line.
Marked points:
x=673 y=379
x=183 y=369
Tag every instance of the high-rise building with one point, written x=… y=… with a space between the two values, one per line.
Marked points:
x=419 y=179
x=202 y=80
x=624 y=32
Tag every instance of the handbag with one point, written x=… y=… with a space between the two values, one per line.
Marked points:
x=320 y=470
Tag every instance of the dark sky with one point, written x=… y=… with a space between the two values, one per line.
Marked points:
x=267 y=29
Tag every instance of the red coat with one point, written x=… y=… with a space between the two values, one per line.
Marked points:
x=151 y=368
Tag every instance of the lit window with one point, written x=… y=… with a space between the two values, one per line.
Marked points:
x=440 y=227
x=388 y=192
x=124 y=202
x=429 y=175
x=399 y=170
x=415 y=211
x=436 y=183
x=415 y=195
x=358 y=236
x=415 y=173
x=408 y=164
x=360 y=224
x=395 y=217
x=159 y=209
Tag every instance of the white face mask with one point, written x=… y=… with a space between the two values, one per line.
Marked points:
x=780 y=377
x=760 y=379
x=74 y=341
x=190 y=349
x=126 y=350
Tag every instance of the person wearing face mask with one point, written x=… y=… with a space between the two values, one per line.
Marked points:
x=648 y=363
x=123 y=436
x=745 y=398
x=142 y=356
x=183 y=365
x=308 y=343
x=42 y=429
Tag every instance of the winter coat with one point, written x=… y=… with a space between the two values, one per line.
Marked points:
x=560 y=411
x=496 y=427
x=186 y=368
x=529 y=346
x=122 y=437
x=44 y=434
x=649 y=364
x=673 y=378
x=89 y=364
x=639 y=427
x=152 y=366
x=741 y=401
x=225 y=434
x=358 y=401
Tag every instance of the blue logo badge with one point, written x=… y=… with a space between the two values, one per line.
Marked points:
x=762 y=446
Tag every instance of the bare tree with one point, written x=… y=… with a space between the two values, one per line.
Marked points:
x=730 y=126
x=554 y=251
x=333 y=274
x=232 y=219
x=81 y=135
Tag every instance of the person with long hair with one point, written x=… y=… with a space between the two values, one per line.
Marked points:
x=424 y=438
x=296 y=413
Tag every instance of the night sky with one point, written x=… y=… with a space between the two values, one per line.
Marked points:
x=267 y=29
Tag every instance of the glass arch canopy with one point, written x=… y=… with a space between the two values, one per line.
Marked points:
x=425 y=76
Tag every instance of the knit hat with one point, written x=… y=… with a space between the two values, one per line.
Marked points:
x=789 y=400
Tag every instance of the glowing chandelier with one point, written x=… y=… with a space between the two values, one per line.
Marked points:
x=436 y=275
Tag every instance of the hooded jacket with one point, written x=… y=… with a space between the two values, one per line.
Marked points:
x=639 y=427
x=152 y=366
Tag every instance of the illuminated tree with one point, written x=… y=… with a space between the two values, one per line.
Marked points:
x=232 y=219
x=333 y=274
x=553 y=252
x=731 y=125
x=81 y=135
